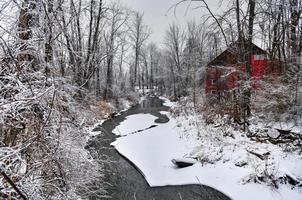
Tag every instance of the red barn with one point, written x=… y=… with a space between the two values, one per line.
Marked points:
x=223 y=73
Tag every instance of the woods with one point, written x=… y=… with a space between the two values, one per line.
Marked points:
x=252 y=23
x=65 y=63
x=52 y=64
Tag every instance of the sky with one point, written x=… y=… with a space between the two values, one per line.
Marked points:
x=158 y=17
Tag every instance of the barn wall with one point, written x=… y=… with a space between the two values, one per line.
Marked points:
x=214 y=82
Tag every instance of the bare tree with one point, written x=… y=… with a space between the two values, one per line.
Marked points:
x=118 y=19
x=174 y=42
x=139 y=34
x=94 y=34
x=194 y=50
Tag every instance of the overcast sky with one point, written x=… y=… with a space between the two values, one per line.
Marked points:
x=157 y=18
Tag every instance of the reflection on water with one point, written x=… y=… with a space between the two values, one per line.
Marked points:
x=152 y=102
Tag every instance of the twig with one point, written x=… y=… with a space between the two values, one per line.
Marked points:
x=29 y=99
x=9 y=180
x=261 y=156
x=209 y=10
x=180 y=197
x=20 y=148
x=5 y=196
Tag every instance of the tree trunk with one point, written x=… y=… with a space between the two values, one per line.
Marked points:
x=294 y=18
x=26 y=21
x=48 y=9
x=247 y=89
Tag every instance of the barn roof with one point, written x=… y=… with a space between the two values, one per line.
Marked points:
x=231 y=54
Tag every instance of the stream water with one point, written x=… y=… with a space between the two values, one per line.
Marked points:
x=123 y=180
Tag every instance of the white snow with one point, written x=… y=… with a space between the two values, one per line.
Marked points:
x=95 y=133
x=164 y=113
x=126 y=105
x=273 y=133
x=297 y=130
x=167 y=102
x=282 y=126
x=134 y=123
x=152 y=151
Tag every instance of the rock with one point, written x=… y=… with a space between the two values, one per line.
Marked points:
x=292 y=180
x=240 y=163
x=273 y=133
x=183 y=162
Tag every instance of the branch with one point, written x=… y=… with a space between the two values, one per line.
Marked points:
x=209 y=10
x=9 y=180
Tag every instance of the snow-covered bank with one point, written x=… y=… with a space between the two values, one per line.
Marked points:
x=167 y=102
x=107 y=110
x=234 y=168
x=48 y=159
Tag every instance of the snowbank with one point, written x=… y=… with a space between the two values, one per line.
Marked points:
x=152 y=151
x=167 y=102
x=134 y=123
x=92 y=132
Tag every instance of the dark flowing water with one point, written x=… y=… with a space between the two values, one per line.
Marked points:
x=124 y=181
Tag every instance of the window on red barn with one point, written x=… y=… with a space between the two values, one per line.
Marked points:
x=260 y=57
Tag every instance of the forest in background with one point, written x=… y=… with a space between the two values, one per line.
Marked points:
x=65 y=64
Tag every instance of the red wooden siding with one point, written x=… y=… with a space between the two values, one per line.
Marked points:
x=224 y=78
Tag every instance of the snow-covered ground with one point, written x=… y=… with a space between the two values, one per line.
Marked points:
x=167 y=102
x=125 y=105
x=93 y=133
x=152 y=151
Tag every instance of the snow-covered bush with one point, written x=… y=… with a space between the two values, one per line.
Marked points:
x=43 y=135
x=267 y=156
x=276 y=102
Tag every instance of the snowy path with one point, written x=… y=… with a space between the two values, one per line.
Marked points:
x=152 y=150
